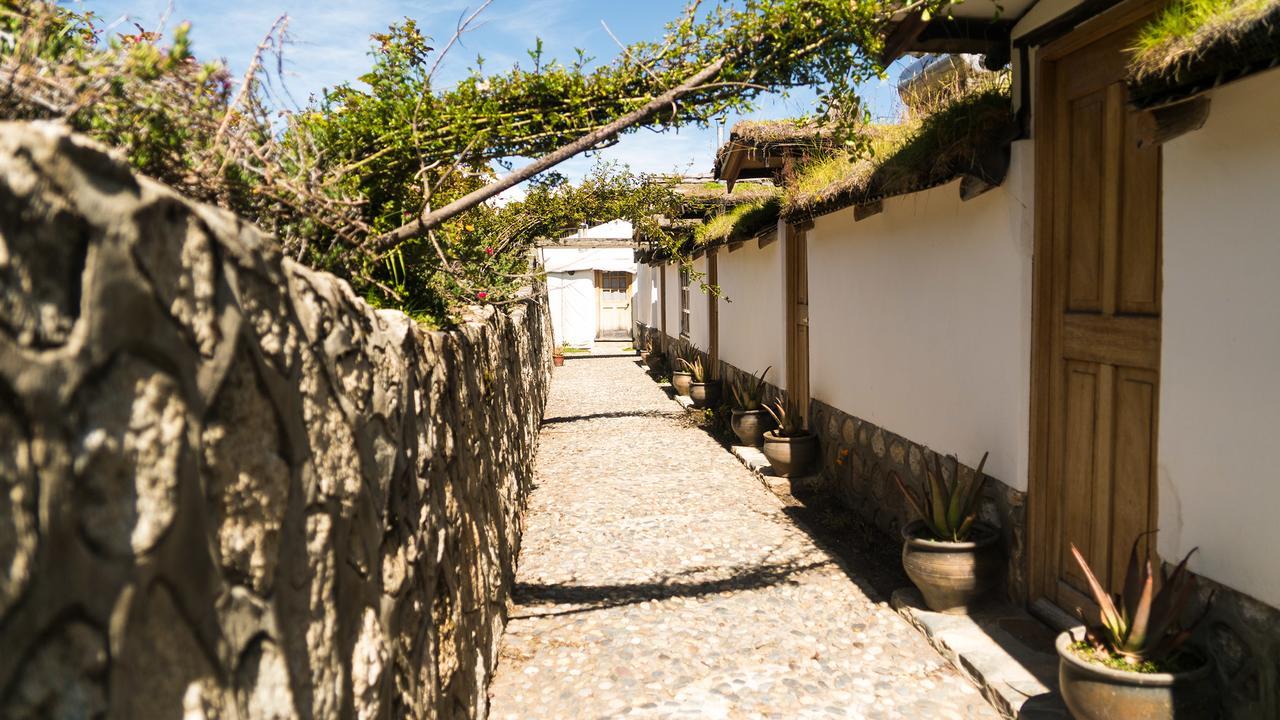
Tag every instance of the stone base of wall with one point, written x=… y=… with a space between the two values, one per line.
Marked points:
x=1243 y=636
x=858 y=458
x=231 y=488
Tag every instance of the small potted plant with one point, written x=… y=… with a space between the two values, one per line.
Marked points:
x=1134 y=662
x=682 y=379
x=790 y=448
x=557 y=355
x=749 y=419
x=951 y=557
x=646 y=350
x=703 y=391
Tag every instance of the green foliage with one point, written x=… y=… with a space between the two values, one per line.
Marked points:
x=1141 y=624
x=749 y=394
x=697 y=373
x=1175 y=30
x=949 y=509
x=786 y=416
x=739 y=222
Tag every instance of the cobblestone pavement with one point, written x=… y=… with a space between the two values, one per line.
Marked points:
x=659 y=578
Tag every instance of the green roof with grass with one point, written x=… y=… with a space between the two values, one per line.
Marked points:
x=741 y=222
x=1195 y=45
x=966 y=134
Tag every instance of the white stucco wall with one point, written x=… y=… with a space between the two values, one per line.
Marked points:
x=920 y=320
x=699 y=308
x=642 y=303
x=572 y=300
x=1219 y=392
x=673 y=299
x=752 y=310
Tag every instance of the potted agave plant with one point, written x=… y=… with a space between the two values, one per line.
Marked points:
x=703 y=391
x=790 y=448
x=749 y=419
x=1134 y=662
x=949 y=555
x=682 y=379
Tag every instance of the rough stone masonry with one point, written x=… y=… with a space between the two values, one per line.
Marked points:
x=228 y=487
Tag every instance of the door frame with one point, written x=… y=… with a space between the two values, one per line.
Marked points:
x=796 y=264
x=1045 y=322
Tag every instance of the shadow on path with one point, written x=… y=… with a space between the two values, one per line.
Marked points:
x=661 y=414
x=602 y=597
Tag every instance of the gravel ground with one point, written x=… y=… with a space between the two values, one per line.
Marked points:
x=658 y=578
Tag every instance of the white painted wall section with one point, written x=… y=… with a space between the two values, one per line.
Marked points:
x=643 y=300
x=673 y=299
x=572 y=300
x=752 y=310
x=699 y=308
x=920 y=321
x=1219 y=391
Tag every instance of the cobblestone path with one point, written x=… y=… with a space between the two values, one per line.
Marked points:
x=659 y=578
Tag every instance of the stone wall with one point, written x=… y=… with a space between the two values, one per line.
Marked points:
x=231 y=488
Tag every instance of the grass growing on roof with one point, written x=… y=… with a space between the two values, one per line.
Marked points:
x=740 y=222
x=960 y=133
x=1189 y=25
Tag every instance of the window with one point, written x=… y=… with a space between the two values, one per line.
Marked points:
x=684 y=302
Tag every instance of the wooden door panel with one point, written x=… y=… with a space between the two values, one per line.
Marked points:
x=1135 y=422
x=1138 y=290
x=1086 y=119
x=1080 y=482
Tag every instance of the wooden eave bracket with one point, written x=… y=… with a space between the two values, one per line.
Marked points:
x=862 y=212
x=732 y=165
x=735 y=245
x=1160 y=125
x=767 y=239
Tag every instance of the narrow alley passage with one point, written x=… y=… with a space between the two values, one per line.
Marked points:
x=659 y=578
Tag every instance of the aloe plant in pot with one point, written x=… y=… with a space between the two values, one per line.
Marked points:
x=1134 y=662
x=749 y=419
x=703 y=391
x=790 y=448
x=949 y=555
x=681 y=379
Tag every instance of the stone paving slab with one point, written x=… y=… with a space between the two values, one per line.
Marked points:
x=659 y=578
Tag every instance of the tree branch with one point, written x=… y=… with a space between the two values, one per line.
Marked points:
x=435 y=218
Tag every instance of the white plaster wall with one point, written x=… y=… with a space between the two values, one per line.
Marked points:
x=752 y=310
x=673 y=299
x=699 y=308
x=1219 y=392
x=572 y=301
x=642 y=303
x=920 y=320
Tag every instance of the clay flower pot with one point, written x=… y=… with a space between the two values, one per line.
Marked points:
x=750 y=426
x=790 y=456
x=558 y=360
x=1093 y=691
x=705 y=395
x=952 y=576
x=681 y=381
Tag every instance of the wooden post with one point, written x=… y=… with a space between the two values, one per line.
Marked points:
x=713 y=314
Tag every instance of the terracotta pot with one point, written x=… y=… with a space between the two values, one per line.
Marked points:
x=558 y=360
x=952 y=576
x=681 y=381
x=705 y=395
x=1093 y=692
x=750 y=426
x=790 y=456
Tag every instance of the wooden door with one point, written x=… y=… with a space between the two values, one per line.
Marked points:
x=1098 y=278
x=797 y=273
x=614 y=296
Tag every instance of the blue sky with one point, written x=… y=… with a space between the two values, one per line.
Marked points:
x=330 y=41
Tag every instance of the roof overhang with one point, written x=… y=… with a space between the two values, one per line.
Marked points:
x=978 y=27
x=749 y=161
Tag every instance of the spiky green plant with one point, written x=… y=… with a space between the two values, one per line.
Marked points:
x=749 y=394
x=697 y=373
x=787 y=417
x=950 y=509
x=1141 y=624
